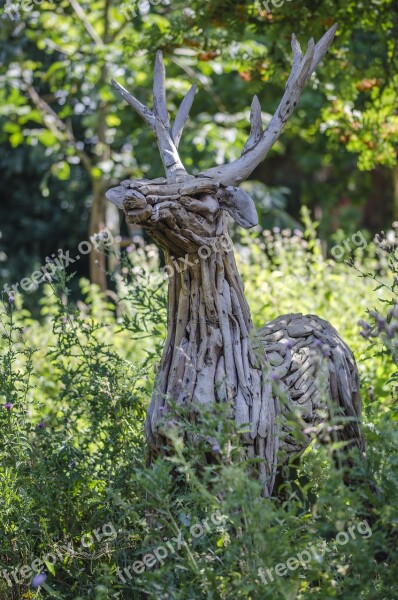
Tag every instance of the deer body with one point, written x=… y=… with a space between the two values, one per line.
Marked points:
x=212 y=354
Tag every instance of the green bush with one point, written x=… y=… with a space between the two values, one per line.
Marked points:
x=74 y=386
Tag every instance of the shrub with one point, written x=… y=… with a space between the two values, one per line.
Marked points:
x=74 y=386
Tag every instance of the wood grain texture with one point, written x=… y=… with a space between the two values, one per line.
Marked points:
x=292 y=379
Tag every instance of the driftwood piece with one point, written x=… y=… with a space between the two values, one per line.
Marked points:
x=256 y=130
x=182 y=116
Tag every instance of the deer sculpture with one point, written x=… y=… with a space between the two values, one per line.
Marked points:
x=212 y=353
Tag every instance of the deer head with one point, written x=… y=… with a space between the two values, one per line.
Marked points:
x=182 y=211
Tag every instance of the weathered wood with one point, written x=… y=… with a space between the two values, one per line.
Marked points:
x=296 y=367
x=241 y=168
x=159 y=91
x=256 y=130
x=182 y=115
x=140 y=108
x=239 y=205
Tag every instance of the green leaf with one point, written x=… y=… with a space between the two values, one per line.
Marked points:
x=61 y=170
x=50 y=567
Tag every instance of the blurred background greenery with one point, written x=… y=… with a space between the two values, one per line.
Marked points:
x=66 y=136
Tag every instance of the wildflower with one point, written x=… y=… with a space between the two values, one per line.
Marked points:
x=185 y=519
x=274 y=377
x=365 y=334
x=11 y=299
x=8 y=406
x=366 y=329
x=380 y=321
x=38 y=580
x=364 y=324
x=41 y=425
x=129 y=249
x=216 y=448
x=64 y=320
x=393 y=312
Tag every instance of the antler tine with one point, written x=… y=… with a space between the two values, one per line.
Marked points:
x=168 y=152
x=297 y=58
x=303 y=72
x=168 y=149
x=159 y=120
x=296 y=48
x=323 y=46
x=159 y=90
x=302 y=68
x=256 y=123
x=182 y=115
x=141 y=109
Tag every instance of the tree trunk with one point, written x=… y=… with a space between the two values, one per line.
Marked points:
x=375 y=209
x=97 y=224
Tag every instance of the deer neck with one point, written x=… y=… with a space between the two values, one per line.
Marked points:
x=208 y=320
x=210 y=351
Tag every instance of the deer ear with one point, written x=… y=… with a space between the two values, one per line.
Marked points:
x=239 y=205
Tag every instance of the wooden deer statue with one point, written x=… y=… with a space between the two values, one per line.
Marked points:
x=212 y=354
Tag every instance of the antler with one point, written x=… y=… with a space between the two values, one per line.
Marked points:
x=260 y=142
x=159 y=121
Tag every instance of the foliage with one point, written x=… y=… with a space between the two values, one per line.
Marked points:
x=62 y=125
x=74 y=386
x=383 y=326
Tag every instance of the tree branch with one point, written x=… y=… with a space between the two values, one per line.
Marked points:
x=89 y=28
x=58 y=128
